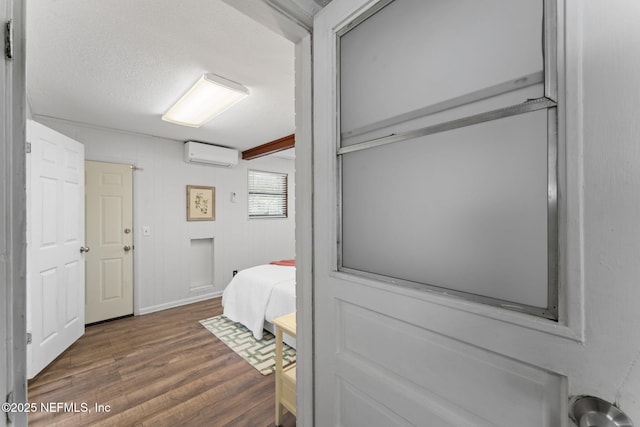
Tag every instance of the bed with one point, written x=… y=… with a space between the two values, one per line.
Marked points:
x=257 y=295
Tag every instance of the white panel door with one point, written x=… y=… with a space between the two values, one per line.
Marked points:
x=389 y=354
x=55 y=301
x=109 y=208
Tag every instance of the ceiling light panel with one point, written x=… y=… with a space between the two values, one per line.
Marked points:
x=209 y=97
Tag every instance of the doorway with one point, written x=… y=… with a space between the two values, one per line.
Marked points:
x=300 y=34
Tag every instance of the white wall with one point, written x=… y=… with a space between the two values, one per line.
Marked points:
x=161 y=265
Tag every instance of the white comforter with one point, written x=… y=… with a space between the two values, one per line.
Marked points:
x=259 y=291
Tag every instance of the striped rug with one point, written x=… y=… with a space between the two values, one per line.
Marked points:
x=259 y=353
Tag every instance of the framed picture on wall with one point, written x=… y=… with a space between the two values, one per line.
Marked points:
x=201 y=203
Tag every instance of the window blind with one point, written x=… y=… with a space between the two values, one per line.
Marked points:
x=267 y=194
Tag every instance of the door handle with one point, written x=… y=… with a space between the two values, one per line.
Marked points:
x=84 y=249
x=593 y=411
x=127 y=248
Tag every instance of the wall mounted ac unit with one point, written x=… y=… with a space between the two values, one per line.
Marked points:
x=197 y=152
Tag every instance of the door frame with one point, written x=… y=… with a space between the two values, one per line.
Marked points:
x=287 y=19
x=14 y=206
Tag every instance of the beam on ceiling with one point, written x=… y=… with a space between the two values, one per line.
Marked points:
x=281 y=144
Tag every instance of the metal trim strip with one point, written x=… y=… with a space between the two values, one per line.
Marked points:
x=525 y=107
x=479 y=95
x=552 y=212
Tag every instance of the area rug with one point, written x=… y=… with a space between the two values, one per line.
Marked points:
x=259 y=353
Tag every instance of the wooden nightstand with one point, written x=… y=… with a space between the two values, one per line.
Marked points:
x=285 y=378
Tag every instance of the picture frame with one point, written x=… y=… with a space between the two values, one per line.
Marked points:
x=201 y=203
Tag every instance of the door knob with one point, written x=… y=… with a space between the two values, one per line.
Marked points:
x=127 y=248
x=84 y=249
x=589 y=411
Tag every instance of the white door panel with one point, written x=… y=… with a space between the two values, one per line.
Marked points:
x=56 y=229
x=390 y=345
x=388 y=353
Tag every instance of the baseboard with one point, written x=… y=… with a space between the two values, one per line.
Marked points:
x=172 y=304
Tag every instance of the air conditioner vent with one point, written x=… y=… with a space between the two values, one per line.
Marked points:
x=207 y=154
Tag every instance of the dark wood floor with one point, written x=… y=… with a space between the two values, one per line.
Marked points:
x=160 y=369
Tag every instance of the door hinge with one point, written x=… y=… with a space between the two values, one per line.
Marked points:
x=28 y=148
x=29 y=338
x=10 y=402
x=8 y=40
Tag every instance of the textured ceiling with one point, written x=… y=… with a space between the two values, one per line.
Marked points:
x=122 y=63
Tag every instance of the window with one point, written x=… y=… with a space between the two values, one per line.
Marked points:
x=447 y=150
x=268 y=195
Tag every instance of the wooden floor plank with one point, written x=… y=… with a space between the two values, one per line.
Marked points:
x=160 y=369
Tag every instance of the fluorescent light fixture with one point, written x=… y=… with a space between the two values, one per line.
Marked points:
x=210 y=96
